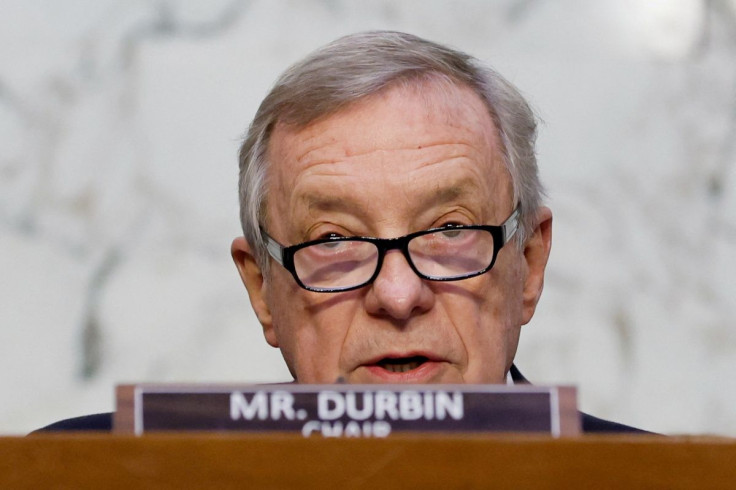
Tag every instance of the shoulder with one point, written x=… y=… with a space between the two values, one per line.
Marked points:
x=589 y=424
x=594 y=424
x=99 y=422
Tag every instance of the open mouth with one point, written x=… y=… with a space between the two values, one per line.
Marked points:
x=402 y=364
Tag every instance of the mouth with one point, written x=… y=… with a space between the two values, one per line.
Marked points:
x=417 y=367
x=401 y=364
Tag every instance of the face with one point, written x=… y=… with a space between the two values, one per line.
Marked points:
x=407 y=159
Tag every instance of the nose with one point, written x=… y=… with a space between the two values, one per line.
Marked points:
x=398 y=292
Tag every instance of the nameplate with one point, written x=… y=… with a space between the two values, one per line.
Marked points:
x=344 y=410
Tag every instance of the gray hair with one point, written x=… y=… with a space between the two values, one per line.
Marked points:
x=363 y=64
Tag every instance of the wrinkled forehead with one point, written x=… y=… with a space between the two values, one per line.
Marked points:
x=406 y=116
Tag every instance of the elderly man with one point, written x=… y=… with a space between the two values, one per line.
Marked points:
x=392 y=217
x=386 y=135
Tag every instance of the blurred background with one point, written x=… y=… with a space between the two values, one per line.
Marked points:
x=120 y=122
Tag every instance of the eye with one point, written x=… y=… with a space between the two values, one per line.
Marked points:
x=331 y=245
x=451 y=233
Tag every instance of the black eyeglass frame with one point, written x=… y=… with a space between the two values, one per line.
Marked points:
x=285 y=255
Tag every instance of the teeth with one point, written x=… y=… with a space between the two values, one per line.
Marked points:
x=402 y=368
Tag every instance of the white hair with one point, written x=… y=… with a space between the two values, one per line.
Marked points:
x=363 y=64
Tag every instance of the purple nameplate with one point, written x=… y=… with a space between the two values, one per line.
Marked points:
x=347 y=410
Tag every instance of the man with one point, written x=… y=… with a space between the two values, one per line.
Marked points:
x=392 y=217
x=385 y=135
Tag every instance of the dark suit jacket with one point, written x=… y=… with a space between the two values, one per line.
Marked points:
x=590 y=424
x=102 y=422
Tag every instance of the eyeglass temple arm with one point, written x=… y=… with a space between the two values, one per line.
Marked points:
x=510 y=226
x=274 y=249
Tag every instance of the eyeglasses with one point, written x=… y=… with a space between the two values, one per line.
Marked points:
x=448 y=253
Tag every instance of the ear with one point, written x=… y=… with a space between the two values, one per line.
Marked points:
x=254 y=282
x=536 y=253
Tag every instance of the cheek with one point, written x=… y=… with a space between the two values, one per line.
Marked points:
x=499 y=294
x=285 y=300
x=490 y=319
x=507 y=310
x=310 y=329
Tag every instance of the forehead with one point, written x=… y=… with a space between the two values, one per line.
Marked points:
x=431 y=137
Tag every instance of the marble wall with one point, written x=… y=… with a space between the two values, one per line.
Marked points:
x=119 y=128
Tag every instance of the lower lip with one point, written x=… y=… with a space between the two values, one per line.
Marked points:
x=426 y=373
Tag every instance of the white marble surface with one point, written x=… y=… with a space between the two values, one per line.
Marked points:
x=119 y=127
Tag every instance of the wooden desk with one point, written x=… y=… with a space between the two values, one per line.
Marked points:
x=236 y=461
